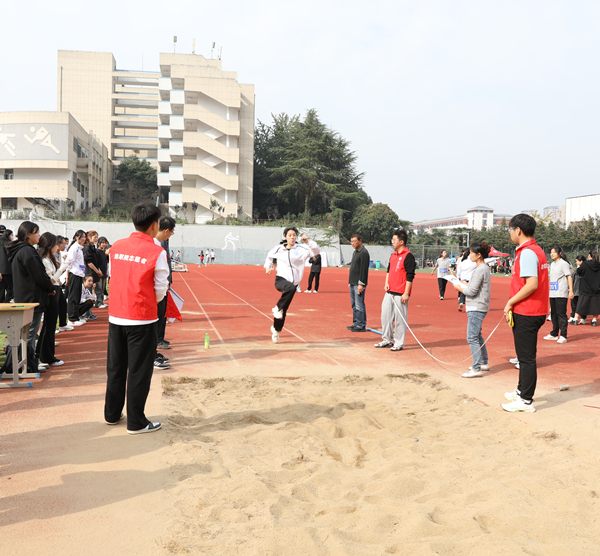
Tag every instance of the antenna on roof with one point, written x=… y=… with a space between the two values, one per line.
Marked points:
x=193 y=46
x=211 y=50
x=220 y=51
x=174 y=43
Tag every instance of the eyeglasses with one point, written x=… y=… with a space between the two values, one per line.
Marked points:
x=511 y=229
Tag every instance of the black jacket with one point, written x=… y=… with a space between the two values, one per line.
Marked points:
x=589 y=271
x=101 y=262
x=4 y=262
x=30 y=281
x=90 y=256
x=359 y=267
x=316 y=264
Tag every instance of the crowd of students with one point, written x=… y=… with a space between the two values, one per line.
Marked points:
x=68 y=279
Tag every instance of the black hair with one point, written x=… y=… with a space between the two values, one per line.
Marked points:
x=102 y=239
x=144 y=215
x=401 y=235
x=6 y=235
x=357 y=236
x=525 y=222
x=167 y=223
x=48 y=242
x=285 y=231
x=24 y=230
x=594 y=255
x=557 y=249
x=580 y=258
x=480 y=248
x=76 y=236
x=465 y=254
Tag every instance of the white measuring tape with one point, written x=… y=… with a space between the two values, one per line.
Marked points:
x=433 y=356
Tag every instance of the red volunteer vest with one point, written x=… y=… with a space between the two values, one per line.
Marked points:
x=132 y=263
x=397 y=274
x=537 y=303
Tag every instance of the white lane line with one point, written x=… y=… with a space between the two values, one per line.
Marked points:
x=210 y=321
x=269 y=317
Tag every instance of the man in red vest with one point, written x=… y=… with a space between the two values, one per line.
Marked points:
x=398 y=285
x=529 y=294
x=139 y=280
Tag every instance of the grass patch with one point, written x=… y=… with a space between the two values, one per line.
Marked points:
x=211 y=382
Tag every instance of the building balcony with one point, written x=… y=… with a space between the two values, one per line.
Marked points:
x=193 y=140
x=175 y=173
x=176 y=148
x=163 y=179
x=196 y=168
x=195 y=112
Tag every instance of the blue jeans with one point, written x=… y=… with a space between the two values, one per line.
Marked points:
x=475 y=339
x=359 y=311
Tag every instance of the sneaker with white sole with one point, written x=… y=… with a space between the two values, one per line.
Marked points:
x=57 y=363
x=116 y=422
x=277 y=313
x=76 y=323
x=517 y=366
x=485 y=367
x=65 y=328
x=561 y=340
x=274 y=335
x=306 y=291
x=55 y=343
x=383 y=345
x=315 y=291
x=550 y=337
x=151 y=427
x=518 y=405
x=514 y=360
x=594 y=322
x=512 y=396
x=471 y=373
x=582 y=321
x=160 y=364
x=103 y=306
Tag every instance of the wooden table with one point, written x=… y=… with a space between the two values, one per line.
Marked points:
x=15 y=319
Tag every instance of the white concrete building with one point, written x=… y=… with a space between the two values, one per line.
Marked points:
x=476 y=218
x=580 y=208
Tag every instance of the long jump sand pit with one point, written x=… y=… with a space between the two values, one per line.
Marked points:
x=319 y=445
x=356 y=465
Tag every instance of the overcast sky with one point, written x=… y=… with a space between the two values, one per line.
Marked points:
x=448 y=104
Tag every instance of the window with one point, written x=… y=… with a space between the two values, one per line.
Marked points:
x=9 y=203
x=9 y=174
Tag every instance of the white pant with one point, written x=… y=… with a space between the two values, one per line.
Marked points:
x=392 y=311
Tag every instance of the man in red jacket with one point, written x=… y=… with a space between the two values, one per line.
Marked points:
x=139 y=280
x=529 y=294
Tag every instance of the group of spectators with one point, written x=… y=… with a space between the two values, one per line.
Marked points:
x=65 y=278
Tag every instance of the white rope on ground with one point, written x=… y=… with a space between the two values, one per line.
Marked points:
x=446 y=362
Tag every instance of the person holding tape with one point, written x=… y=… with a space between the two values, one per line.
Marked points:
x=477 y=301
x=288 y=258
x=526 y=309
x=398 y=285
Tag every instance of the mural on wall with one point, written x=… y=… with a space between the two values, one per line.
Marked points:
x=230 y=239
x=42 y=135
x=34 y=141
x=8 y=144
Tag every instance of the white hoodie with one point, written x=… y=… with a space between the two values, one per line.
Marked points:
x=290 y=262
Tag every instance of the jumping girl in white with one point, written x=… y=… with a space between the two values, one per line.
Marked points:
x=289 y=259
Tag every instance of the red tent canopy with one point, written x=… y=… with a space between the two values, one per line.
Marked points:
x=496 y=253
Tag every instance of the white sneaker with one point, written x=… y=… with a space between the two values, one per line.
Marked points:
x=550 y=337
x=472 y=374
x=57 y=363
x=582 y=321
x=149 y=428
x=549 y=318
x=512 y=396
x=517 y=366
x=483 y=368
x=43 y=365
x=298 y=288
x=518 y=405
x=514 y=360
x=274 y=335
x=315 y=291
x=277 y=313
x=65 y=328
x=76 y=323
x=55 y=343
x=561 y=340
x=103 y=306
x=306 y=291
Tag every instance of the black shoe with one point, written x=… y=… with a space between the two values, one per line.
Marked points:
x=166 y=342
x=350 y=327
x=158 y=364
x=163 y=345
x=151 y=427
x=357 y=329
x=162 y=358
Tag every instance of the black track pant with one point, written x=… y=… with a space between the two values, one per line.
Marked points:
x=74 y=296
x=558 y=308
x=129 y=367
x=442 y=283
x=316 y=276
x=287 y=290
x=525 y=333
x=45 y=345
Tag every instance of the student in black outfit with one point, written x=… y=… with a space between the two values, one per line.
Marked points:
x=315 y=272
x=6 y=285
x=166 y=231
x=102 y=265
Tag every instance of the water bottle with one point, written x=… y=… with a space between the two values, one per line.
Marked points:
x=206 y=342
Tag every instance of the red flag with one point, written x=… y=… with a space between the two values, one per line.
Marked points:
x=174 y=303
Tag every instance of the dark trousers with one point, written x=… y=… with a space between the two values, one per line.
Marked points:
x=162 y=320
x=558 y=308
x=6 y=288
x=100 y=287
x=442 y=283
x=462 y=298
x=129 y=367
x=288 y=291
x=45 y=345
x=316 y=276
x=74 y=296
x=525 y=333
x=62 y=307
x=85 y=306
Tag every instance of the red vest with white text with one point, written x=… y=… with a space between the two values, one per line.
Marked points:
x=132 y=263
x=397 y=274
x=537 y=303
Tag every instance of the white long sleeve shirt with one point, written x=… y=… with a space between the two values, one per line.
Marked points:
x=291 y=262
x=75 y=262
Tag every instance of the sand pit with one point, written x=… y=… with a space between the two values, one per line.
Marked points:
x=358 y=465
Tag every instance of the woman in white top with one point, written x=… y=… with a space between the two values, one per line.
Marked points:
x=561 y=290
x=47 y=247
x=75 y=275
x=464 y=271
x=443 y=267
x=289 y=259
